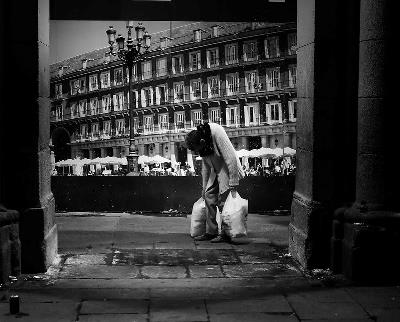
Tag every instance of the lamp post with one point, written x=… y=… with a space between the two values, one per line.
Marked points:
x=130 y=54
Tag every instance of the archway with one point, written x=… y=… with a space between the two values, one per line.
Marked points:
x=60 y=140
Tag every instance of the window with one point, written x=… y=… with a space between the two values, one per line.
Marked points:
x=213 y=86
x=177 y=64
x=118 y=100
x=58 y=90
x=232 y=84
x=95 y=129
x=212 y=57
x=84 y=131
x=118 y=77
x=162 y=66
x=93 y=84
x=146 y=70
x=273 y=79
x=84 y=63
x=106 y=104
x=195 y=89
x=292 y=75
x=180 y=120
x=163 y=121
x=272 y=47
x=134 y=74
x=195 y=60
x=59 y=113
x=178 y=92
x=292 y=43
x=250 y=51
x=74 y=110
x=251 y=115
x=106 y=128
x=231 y=54
x=105 y=80
x=292 y=110
x=215 y=31
x=197 y=35
x=135 y=124
x=135 y=98
x=214 y=115
x=94 y=106
x=74 y=85
x=119 y=127
x=232 y=116
x=274 y=113
x=161 y=94
x=197 y=117
x=148 y=123
x=147 y=96
x=251 y=81
x=82 y=108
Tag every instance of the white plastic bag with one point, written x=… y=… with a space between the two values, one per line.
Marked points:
x=234 y=215
x=198 y=218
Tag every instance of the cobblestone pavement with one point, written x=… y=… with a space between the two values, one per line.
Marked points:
x=124 y=267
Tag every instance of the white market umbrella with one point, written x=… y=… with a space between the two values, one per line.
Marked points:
x=242 y=153
x=266 y=153
x=199 y=158
x=143 y=159
x=254 y=153
x=290 y=151
x=158 y=159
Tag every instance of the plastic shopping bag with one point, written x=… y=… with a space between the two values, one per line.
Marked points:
x=234 y=215
x=198 y=218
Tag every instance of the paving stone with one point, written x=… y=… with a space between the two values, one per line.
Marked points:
x=385 y=314
x=114 y=306
x=375 y=297
x=43 y=312
x=83 y=224
x=172 y=310
x=113 y=318
x=258 y=270
x=174 y=245
x=271 y=304
x=208 y=245
x=85 y=241
x=205 y=271
x=91 y=259
x=163 y=272
x=129 y=246
x=99 y=271
x=251 y=317
x=323 y=305
x=252 y=259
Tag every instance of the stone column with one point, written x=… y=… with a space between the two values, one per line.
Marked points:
x=244 y=144
x=116 y=151
x=91 y=154
x=319 y=184
x=156 y=148
x=28 y=188
x=272 y=141
x=103 y=152
x=141 y=149
x=190 y=158
x=264 y=141
x=172 y=150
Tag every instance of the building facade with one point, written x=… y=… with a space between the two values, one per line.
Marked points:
x=240 y=75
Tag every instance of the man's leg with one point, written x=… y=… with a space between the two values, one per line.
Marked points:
x=211 y=200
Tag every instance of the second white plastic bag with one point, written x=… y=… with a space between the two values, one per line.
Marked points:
x=234 y=215
x=198 y=218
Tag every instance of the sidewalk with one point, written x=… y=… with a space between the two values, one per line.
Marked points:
x=124 y=267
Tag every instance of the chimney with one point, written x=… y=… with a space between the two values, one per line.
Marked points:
x=215 y=31
x=164 y=42
x=197 y=35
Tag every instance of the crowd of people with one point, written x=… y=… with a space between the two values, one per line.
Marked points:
x=275 y=168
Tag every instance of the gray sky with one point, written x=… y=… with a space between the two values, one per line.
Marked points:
x=69 y=38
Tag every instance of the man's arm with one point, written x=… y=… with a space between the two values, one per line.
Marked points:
x=205 y=174
x=229 y=155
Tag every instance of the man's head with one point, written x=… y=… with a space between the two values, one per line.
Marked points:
x=194 y=141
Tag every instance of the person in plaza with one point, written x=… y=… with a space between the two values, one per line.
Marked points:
x=221 y=172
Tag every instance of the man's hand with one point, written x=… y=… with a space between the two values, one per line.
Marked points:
x=233 y=191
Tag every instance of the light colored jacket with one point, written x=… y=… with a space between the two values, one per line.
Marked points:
x=223 y=163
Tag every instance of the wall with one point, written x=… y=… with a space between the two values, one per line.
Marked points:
x=161 y=193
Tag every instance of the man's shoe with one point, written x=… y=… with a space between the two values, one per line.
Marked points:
x=220 y=239
x=205 y=236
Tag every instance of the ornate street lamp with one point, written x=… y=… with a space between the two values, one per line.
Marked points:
x=130 y=54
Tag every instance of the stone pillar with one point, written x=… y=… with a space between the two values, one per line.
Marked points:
x=103 y=152
x=116 y=152
x=91 y=154
x=371 y=227
x=156 y=148
x=28 y=189
x=172 y=150
x=190 y=158
x=272 y=141
x=141 y=149
x=264 y=141
x=244 y=144
x=319 y=184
